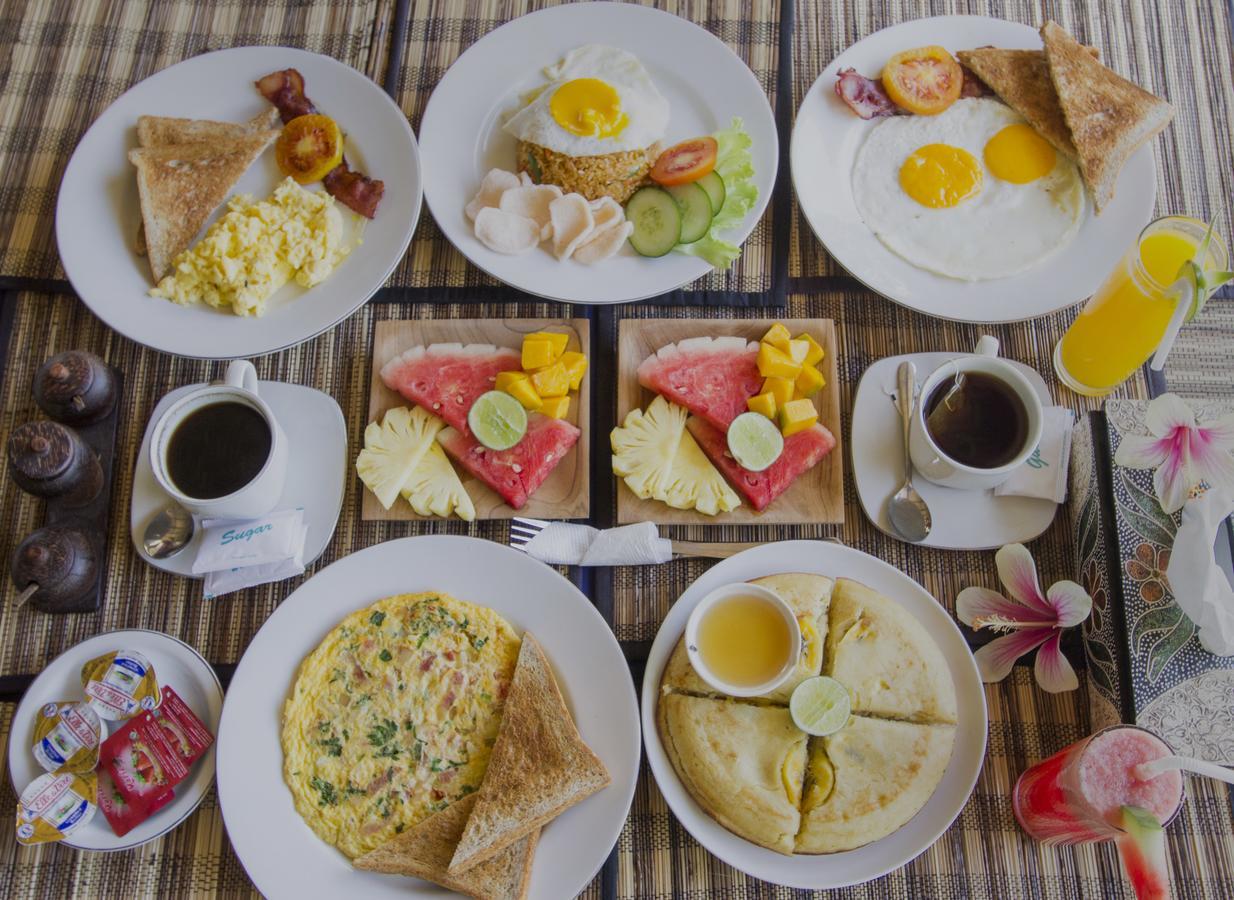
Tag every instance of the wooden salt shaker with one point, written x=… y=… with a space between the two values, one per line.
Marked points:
x=75 y=387
x=57 y=567
x=51 y=460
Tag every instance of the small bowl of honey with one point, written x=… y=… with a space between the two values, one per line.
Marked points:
x=743 y=640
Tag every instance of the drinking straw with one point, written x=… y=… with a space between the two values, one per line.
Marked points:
x=1149 y=770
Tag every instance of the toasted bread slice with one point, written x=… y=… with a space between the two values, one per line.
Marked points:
x=425 y=851
x=1021 y=79
x=156 y=131
x=539 y=768
x=1109 y=117
x=181 y=184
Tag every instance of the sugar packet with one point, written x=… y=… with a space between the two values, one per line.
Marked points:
x=236 y=543
x=225 y=581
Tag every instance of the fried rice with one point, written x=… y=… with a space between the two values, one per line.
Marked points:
x=615 y=175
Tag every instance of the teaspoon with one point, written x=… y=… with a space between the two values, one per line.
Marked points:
x=907 y=510
x=168 y=532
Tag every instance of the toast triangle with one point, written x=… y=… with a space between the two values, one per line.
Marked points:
x=539 y=767
x=1109 y=117
x=1021 y=79
x=156 y=131
x=425 y=850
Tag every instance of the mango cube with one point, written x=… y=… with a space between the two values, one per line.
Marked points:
x=797 y=415
x=576 y=367
x=763 y=404
x=816 y=352
x=809 y=381
x=540 y=355
x=555 y=407
x=551 y=381
x=518 y=385
x=777 y=335
x=797 y=351
x=776 y=363
x=780 y=388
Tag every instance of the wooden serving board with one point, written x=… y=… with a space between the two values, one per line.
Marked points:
x=565 y=493
x=816 y=496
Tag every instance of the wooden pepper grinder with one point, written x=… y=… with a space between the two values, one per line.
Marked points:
x=57 y=567
x=49 y=460
x=75 y=387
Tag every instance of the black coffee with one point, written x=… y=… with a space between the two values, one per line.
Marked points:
x=218 y=449
x=981 y=422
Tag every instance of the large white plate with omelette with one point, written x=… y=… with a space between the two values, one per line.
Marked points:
x=833 y=870
x=281 y=853
x=97 y=213
x=826 y=139
x=461 y=135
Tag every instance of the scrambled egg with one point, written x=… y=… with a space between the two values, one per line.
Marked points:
x=256 y=248
x=393 y=717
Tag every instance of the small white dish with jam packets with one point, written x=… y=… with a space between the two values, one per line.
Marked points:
x=962 y=519
x=316 y=471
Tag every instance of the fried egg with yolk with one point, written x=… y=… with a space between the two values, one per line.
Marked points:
x=973 y=193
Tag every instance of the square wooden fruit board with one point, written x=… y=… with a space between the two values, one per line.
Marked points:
x=565 y=494
x=817 y=496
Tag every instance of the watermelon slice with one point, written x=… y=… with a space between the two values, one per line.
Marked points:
x=515 y=473
x=446 y=379
x=711 y=377
x=801 y=452
x=1142 y=849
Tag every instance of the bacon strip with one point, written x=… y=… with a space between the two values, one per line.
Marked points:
x=972 y=85
x=864 y=96
x=285 y=89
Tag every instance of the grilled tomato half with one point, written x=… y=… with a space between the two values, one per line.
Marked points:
x=685 y=162
x=309 y=147
x=924 y=81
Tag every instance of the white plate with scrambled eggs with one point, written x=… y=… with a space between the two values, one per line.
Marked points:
x=1005 y=251
x=644 y=56
x=98 y=213
x=259 y=809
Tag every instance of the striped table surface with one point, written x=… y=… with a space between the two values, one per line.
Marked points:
x=65 y=61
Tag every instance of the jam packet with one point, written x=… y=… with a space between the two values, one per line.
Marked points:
x=241 y=543
x=122 y=815
x=120 y=684
x=139 y=766
x=52 y=807
x=67 y=737
x=186 y=733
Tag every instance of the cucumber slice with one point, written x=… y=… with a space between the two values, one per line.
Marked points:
x=657 y=221
x=695 y=206
x=713 y=184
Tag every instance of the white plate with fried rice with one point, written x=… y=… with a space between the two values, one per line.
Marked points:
x=462 y=137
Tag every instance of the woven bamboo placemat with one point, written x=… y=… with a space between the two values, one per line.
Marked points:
x=66 y=61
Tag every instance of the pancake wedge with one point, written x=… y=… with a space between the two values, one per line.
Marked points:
x=156 y=131
x=872 y=777
x=539 y=766
x=742 y=764
x=425 y=851
x=809 y=597
x=888 y=662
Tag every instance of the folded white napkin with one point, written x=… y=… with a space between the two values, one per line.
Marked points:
x=241 y=553
x=1200 y=587
x=1044 y=475
x=564 y=544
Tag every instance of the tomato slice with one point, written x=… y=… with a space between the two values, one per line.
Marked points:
x=925 y=80
x=685 y=162
x=309 y=148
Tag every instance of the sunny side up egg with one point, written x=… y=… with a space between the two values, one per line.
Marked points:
x=973 y=193
x=599 y=100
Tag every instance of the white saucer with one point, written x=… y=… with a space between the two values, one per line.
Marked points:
x=316 y=470
x=962 y=520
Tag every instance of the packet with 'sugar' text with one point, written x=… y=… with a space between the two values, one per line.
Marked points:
x=240 y=543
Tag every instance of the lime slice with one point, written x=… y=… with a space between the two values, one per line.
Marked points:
x=755 y=441
x=820 y=706
x=497 y=420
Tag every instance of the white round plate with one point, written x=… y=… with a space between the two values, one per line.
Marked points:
x=98 y=213
x=461 y=137
x=827 y=136
x=262 y=821
x=177 y=666
x=832 y=870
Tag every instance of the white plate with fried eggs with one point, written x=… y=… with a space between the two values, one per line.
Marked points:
x=462 y=135
x=1002 y=246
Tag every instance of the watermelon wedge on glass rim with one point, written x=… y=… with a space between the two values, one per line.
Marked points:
x=516 y=473
x=711 y=377
x=446 y=379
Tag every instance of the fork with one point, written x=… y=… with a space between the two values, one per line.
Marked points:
x=523 y=530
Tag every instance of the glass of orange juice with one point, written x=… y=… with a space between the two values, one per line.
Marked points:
x=1124 y=322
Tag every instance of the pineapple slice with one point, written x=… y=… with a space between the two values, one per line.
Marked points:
x=434 y=488
x=394 y=448
x=696 y=484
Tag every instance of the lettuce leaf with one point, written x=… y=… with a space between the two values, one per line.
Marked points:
x=735 y=165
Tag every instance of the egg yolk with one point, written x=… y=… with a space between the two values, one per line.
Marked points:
x=1019 y=154
x=940 y=175
x=588 y=107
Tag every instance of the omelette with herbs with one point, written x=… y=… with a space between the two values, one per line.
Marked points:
x=394 y=715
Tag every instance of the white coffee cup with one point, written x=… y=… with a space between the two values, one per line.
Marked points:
x=930 y=460
x=263 y=492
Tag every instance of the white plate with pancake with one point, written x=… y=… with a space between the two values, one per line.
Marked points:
x=262 y=821
x=98 y=213
x=461 y=135
x=827 y=137
x=832 y=870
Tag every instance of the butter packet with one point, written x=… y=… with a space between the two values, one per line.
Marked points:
x=120 y=684
x=52 y=807
x=242 y=543
x=67 y=737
